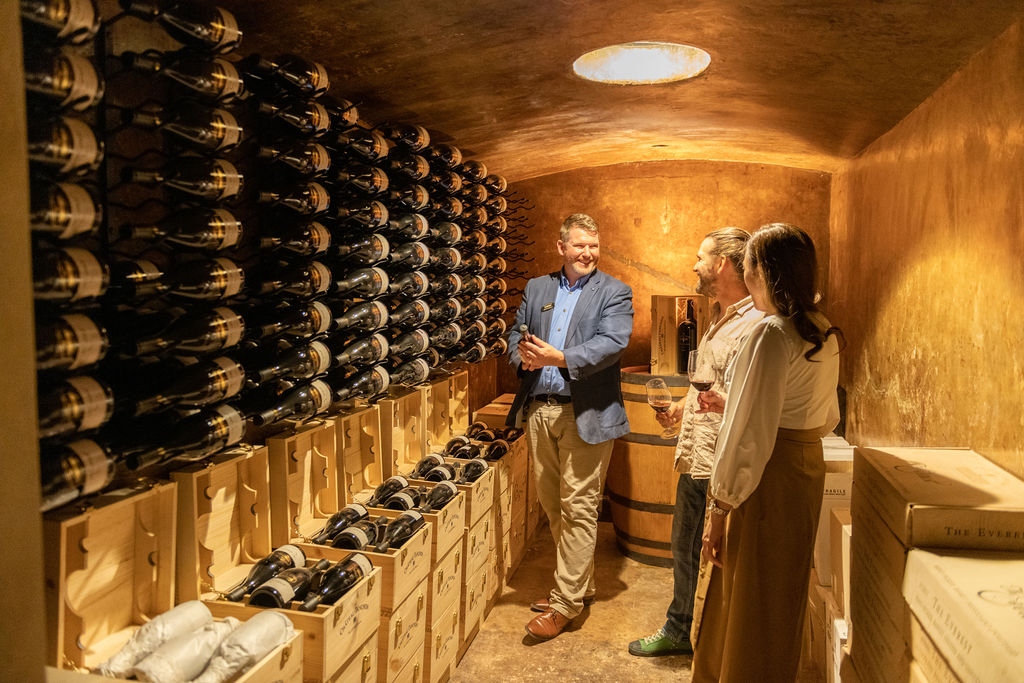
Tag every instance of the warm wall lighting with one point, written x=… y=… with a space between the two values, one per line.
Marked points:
x=642 y=62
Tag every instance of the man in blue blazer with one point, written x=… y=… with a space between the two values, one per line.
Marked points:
x=578 y=322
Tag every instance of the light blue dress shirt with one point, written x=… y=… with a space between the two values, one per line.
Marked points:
x=551 y=380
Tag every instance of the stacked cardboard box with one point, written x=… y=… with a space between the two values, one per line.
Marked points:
x=906 y=498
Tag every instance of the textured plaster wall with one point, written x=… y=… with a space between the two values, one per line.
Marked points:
x=653 y=216
x=927 y=267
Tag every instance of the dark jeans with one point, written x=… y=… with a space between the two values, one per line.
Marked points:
x=687 y=533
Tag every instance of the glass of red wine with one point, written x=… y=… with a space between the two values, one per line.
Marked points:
x=660 y=398
x=701 y=375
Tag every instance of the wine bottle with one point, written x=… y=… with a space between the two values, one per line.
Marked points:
x=350 y=514
x=369 y=382
x=207 y=279
x=410 y=284
x=304 y=280
x=442 y=472
x=360 y=177
x=211 y=78
x=306 y=239
x=406 y=499
x=434 y=358
x=68 y=275
x=400 y=530
x=473 y=169
x=362 y=282
x=410 y=166
x=468 y=451
x=473 y=353
x=289 y=584
x=64 y=146
x=306 y=117
x=473 y=331
x=208 y=129
x=496 y=328
x=196 y=228
x=368 y=213
x=63 y=210
x=63 y=80
x=301 y=362
x=284 y=557
x=194 y=437
x=301 y=403
x=496 y=226
x=472 y=470
x=480 y=432
x=448 y=156
x=447 y=208
x=199 y=331
x=496 y=266
x=473 y=286
x=687 y=336
x=306 y=199
x=410 y=345
x=494 y=450
x=78 y=404
x=307 y=158
x=195 y=24
x=473 y=308
x=455 y=443
x=409 y=314
x=410 y=372
x=444 y=181
x=69 y=342
x=386 y=489
x=411 y=136
x=408 y=197
x=439 y=496
x=446 y=286
x=510 y=434
x=496 y=206
x=365 y=250
x=498 y=347
x=72 y=470
x=409 y=255
x=72 y=21
x=408 y=226
x=328 y=587
x=473 y=194
x=248 y=644
x=497 y=307
x=367 y=144
x=136 y=280
x=213 y=179
x=368 y=316
x=445 y=311
x=427 y=463
x=445 y=233
x=356 y=536
x=298 y=75
x=446 y=259
x=198 y=384
x=474 y=217
x=303 y=320
x=473 y=264
x=344 y=114
x=496 y=246
x=495 y=183
x=496 y=288
x=365 y=351
x=474 y=240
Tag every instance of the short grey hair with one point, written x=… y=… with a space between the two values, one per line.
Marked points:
x=577 y=220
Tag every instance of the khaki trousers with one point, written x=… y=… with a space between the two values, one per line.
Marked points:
x=569 y=473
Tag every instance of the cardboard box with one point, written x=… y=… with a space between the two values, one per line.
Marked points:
x=838 y=489
x=971 y=604
x=880 y=622
x=927 y=657
x=943 y=498
x=842 y=526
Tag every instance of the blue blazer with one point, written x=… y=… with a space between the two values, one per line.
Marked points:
x=598 y=333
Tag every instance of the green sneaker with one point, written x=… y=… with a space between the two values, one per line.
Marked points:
x=659 y=645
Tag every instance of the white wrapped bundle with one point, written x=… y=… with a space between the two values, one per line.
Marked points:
x=184 y=657
x=185 y=618
x=247 y=644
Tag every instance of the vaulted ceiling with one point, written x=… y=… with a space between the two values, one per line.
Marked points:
x=797 y=82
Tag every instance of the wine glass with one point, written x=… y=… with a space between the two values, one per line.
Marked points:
x=660 y=398
x=701 y=375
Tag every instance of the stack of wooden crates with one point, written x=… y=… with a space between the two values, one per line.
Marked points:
x=132 y=554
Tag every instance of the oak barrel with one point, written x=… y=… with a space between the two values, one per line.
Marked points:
x=641 y=483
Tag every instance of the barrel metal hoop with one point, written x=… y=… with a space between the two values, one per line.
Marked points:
x=646 y=542
x=644 y=558
x=649 y=439
x=660 y=508
x=642 y=378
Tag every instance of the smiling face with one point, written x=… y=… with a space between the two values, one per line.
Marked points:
x=579 y=252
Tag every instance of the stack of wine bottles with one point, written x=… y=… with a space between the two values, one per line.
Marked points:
x=353 y=528
x=223 y=243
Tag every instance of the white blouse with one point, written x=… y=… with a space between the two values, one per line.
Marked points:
x=772 y=386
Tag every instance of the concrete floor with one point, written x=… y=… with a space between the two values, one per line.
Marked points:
x=631 y=602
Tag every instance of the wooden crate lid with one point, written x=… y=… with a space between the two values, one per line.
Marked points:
x=403 y=429
x=359 y=444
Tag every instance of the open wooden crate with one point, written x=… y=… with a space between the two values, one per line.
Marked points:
x=458 y=402
x=402 y=428
x=437 y=429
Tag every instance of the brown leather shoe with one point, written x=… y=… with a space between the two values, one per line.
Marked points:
x=543 y=605
x=547 y=625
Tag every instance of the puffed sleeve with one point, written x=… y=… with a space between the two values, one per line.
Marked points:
x=752 y=413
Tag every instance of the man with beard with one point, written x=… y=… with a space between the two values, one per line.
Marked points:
x=578 y=322
x=719 y=271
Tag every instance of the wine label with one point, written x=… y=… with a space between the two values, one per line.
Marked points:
x=229 y=82
x=229 y=227
x=319 y=117
x=83 y=83
x=412 y=515
x=319 y=159
x=362 y=539
x=81 y=20
x=233 y=277
x=95 y=463
x=405 y=498
x=294 y=552
x=90 y=341
x=232 y=132
x=323 y=392
x=234 y=423
x=319 y=78
x=441 y=472
x=97 y=404
x=321 y=277
x=450 y=486
x=230 y=34
x=381 y=314
x=230 y=179
x=232 y=374
x=380 y=280
x=381 y=246
x=320 y=198
x=363 y=562
x=380 y=345
x=357 y=508
x=283 y=588
x=322 y=315
x=83 y=150
x=322 y=354
x=233 y=326
x=91 y=280
x=319 y=237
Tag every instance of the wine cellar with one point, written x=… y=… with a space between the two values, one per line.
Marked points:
x=262 y=266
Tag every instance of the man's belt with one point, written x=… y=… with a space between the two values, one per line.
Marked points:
x=551 y=398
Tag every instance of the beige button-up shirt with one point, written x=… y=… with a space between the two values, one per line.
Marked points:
x=695 y=450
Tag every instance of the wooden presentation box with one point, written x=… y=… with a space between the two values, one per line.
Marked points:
x=458 y=402
x=479 y=494
x=472 y=600
x=109 y=568
x=402 y=428
x=443 y=585
x=667 y=311
x=361 y=667
x=402 y=634
x=495 y=413
x=476 y=546
x=437 y=404
x=441 y=645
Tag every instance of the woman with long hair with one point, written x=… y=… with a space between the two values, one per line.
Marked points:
x=768 y=475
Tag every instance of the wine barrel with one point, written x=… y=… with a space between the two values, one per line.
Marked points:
x=641 y=483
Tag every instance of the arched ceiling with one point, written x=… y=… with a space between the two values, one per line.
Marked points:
x=795 y=82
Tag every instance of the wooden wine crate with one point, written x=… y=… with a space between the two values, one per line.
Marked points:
x=305 y=480
x=402 y=428
x=517 y=539
x=458 y=402
x=443 y=584
x=402 y=633
x=518 y=490
x=666 y=314
x=476 y=546
x=436 y=418
x=361 y=667
x=471 y=607
x=495 y=577
x=479 y=493
x=108 y=568
x=359 y=444
x=331 y=634
x=223 y=520
x=495 y=413
x=441 y=645
x=447 y=524
x=412 y=672
x=503 y=512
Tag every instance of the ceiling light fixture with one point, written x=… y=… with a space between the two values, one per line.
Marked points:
x=642 y=62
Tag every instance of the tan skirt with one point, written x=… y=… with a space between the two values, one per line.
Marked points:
x=754 y=608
